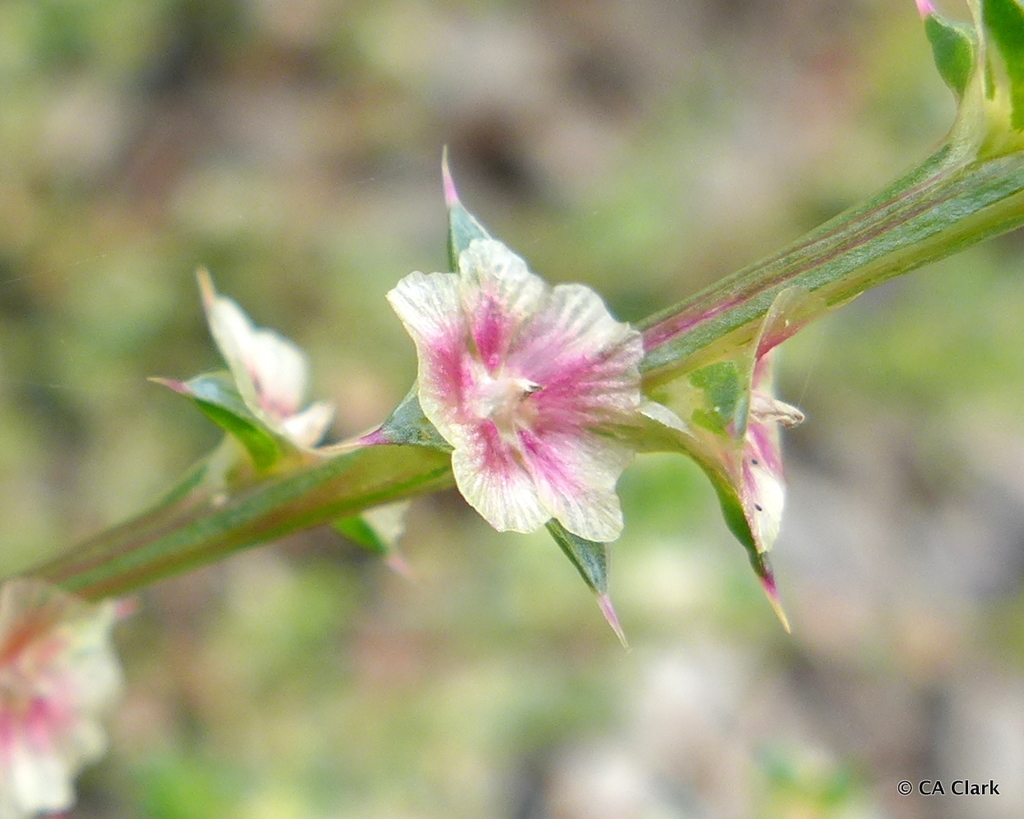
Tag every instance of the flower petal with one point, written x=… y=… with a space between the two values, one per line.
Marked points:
x=575 y=473
x=493 y=482
x=428 y=305
x=270 y=372
x=499 y=296
x=308 y=427
x=58 y=674
x=587 y=361
x=279 y=371
x=520 y=379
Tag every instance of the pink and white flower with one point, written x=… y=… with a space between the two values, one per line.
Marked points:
x=271 y=372
x=58 y=674
x=528 y=384
x=762 y=485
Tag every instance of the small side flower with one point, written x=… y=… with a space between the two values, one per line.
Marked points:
x=728 y=419
x=528 y=384
x=270 y=372
x=58 y=676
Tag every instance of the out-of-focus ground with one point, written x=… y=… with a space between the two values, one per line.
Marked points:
x=645 y=148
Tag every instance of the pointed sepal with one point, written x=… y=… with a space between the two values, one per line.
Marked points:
x=463 y=226
x=954 y=47
x=591 y=561
x=763 y=570
x=378 y=530
x=407 y=425
x=216 y=396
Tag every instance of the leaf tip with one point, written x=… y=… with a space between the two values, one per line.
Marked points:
x=451 y=195
x=772 y=593
x=608 y=610
x=179 y=387
x=378 y=437
x=126 y=607
x=206 y=289
x=400 y=566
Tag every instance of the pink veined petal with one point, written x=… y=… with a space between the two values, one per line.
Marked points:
x=575 y=474
x=428 y=305
x=520 y=379
x=763 y=483
x=762 y=487
x=587 y=361
x=494 y=483
x=499 y=295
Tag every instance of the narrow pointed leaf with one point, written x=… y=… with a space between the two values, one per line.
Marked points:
x=463 y=226
x=359 y=531
x=376 y=530
x=591 y=561
x=589 y=558
x=954 y=48
x=216 y=395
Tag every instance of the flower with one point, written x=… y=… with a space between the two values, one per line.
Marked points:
x=761 y=482
x=58 y=673
x=270 y=371
x=527 y=383
x=725 y=416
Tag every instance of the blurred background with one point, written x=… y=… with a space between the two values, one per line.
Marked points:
x=645 y=148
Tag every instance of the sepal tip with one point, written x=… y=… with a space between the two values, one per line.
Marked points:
x=400 y=566
x=767 y=578
x=604 y=601
x=179 y=387
x=451 y=195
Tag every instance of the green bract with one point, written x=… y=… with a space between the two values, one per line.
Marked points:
x=983 y=63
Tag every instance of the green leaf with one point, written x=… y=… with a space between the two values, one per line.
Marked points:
x=591 y=561
x=463 y=226
x=359 y=531
x=589 y=558
x=724 y=394
x=377 y=529
x=954 y=47
x=1004 y=22
x=216 y=395
x=409 y=426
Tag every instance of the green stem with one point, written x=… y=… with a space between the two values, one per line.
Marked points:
x=199 y=528
x=942 y=206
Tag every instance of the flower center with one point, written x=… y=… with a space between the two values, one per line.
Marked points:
x=501 y=400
